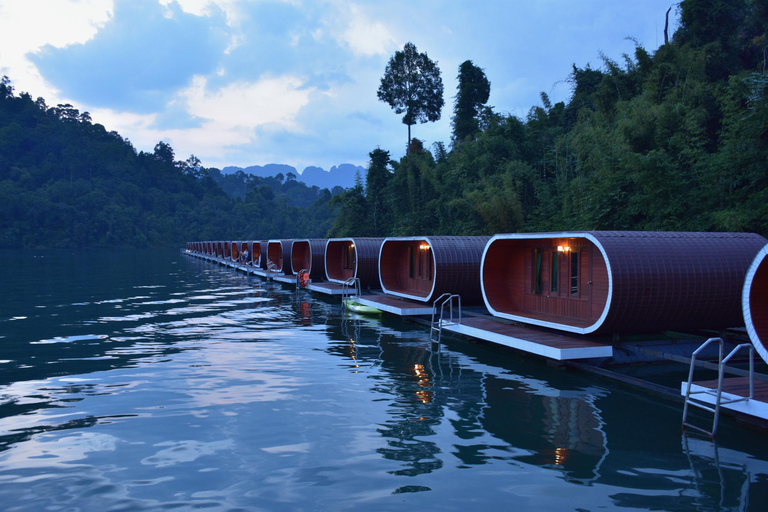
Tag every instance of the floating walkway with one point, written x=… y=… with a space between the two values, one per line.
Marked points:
x=326 y=288
x=396 y=306
x=541 y=343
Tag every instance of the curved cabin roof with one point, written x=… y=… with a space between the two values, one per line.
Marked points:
x=423 y=268
x=353 y=257
x=309 y=254
x=754 y=303
x=279 y=253
x=621 y=281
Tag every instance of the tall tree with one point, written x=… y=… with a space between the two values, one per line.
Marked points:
x=412 y=85
x=376 y=183
x=473 y=92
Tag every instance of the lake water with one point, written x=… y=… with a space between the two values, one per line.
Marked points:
x=141 y=380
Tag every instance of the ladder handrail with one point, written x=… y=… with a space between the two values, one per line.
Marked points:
x=350 y=288
x=446 y=298
x=722 y=366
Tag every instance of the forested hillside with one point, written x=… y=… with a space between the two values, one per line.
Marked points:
x=676 y=139
x=67 y=182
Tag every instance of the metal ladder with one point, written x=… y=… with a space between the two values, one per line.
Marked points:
x=717 y=393
x=350 y=288
x=442 y=301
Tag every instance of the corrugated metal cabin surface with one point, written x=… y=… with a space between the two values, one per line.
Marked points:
x=423 y=268
x=353 y=257
x=309 y=254
x=623 y=281
x=279 y=254
x=754 y=303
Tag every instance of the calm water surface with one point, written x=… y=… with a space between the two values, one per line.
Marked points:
x=138 y=380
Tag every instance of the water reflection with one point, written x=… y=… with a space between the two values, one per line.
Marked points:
x=212 y=389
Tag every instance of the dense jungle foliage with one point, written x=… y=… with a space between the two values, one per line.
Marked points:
x=676 y=139
x=673 y=140
x=66 y=182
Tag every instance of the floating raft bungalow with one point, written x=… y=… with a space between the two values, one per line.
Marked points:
x=309 y=255
x=421 y=269
x=618 y=282
x=279 y=260
x=350 y=258
x=754 y=303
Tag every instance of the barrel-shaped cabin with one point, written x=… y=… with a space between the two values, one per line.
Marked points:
x=614 y=282
x=234 y=250
x=209 y=250
x=353 y=257
x=258 y=250
x=309 y=254
x=754 y=302
x=220 y=249
x=279 y=256
x=423 y=268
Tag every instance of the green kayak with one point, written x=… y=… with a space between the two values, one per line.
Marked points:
x=356 y=307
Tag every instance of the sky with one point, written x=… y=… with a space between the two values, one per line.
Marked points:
x=253 y=82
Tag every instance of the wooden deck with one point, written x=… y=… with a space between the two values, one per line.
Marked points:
x=394 y=305
x=733 y=388
x=326 y=288
x=542 y=343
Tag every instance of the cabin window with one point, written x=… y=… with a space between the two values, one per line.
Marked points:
x=537 y=271
x=553 y=272
x=411 y=263
x=574 y=273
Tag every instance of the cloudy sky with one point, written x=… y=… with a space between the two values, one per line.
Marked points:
x=252 y=82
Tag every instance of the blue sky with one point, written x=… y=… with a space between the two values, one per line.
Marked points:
x=252 y=82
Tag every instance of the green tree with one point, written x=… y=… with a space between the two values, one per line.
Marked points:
x=473 y=92
x=376 y=182
x=412 y=85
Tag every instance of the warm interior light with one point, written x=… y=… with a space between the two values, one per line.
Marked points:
x=561 y=248
x=424 y=247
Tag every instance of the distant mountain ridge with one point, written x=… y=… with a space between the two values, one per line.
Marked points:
x=342 y=175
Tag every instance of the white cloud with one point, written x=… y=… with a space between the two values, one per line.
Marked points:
x=268 y=101
x=361 y=34
x=26 y=27
x=231 y=115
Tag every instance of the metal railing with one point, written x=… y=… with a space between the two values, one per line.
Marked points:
x=690 y=399
x=437 y=325
x=349 y=289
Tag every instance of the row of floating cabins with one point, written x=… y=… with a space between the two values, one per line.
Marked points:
x=562 y=296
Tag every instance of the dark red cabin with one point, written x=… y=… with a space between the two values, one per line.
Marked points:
x=309 y=254
x=423 y=268
x=353 y=257
x=279 y=256
x=613 y=282
x=754 y=303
